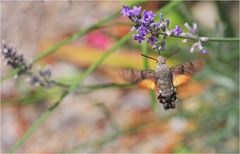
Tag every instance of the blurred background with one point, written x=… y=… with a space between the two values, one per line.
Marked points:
x=98 y=118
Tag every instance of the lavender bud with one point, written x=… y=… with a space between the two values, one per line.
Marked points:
x=154 y=46
x=167 y=22
x=46 y=72
x=194 y=28
x=34 y=80
x=161 y=17
x=194 y=47
x=186 y=25
x=204 y=51
x=162 y=46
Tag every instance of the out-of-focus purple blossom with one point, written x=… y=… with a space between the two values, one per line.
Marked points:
x=126 y=11
x=152 y=40
x=139 y=38
x=177 y=31
x=42 y=77
x=135 y=11
x=142 y=30
x=148 y=16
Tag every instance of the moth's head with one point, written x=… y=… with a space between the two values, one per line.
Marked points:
x=161 y=60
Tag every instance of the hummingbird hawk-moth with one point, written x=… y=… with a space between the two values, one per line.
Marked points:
x=166 y=78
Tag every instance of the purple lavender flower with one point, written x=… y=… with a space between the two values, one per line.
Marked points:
x=177 y=31
x=138 y=37
x=142 y=30
x=148 y=16
x=126 y=11
x=152 y=40
x=147 y=28
x=135 y=11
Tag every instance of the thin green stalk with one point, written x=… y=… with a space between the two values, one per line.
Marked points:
x=146 y=66
x=216 y=39
x=97 y=63
x=109 y=85
x=225 y=39
x=37 y=96
x=74 y=85
x=35 y=125
x=69 y=39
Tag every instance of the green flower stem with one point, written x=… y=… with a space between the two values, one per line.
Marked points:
x=97 y=63
x=217 y=39
x=74 y=85
x=35 y=125
x=226 y=39
x=146 y=66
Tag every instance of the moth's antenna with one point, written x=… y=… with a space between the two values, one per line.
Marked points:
x=173 y=53
x=149 y=57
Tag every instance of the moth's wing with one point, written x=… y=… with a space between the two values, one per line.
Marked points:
x=144 y=78
x=134 y=75
x=183 y=72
